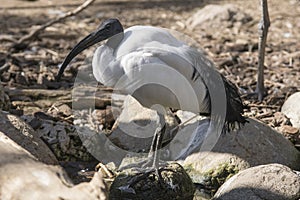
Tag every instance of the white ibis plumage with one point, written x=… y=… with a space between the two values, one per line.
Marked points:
x=144 y=53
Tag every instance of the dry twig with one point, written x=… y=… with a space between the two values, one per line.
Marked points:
x=23 y=41
x=262 y=106
x=4 y=67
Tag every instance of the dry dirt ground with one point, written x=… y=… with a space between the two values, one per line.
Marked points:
x=35 y=65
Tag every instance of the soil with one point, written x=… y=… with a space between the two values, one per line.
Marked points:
x=34 y=66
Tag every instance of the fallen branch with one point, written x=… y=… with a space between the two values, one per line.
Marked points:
x=24 y=40
x=37 y=93
x=262 y=106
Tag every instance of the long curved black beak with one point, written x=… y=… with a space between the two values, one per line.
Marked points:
x=86 y=42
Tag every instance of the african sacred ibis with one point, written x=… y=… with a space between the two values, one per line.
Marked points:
x=156 y=68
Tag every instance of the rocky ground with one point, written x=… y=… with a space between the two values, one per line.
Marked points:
x=228 y=35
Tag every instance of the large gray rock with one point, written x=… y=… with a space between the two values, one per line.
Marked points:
x=22 y=176
x=134 y=128
x=291 y=109
x=254 y=144
x=217 y=15
x=265 y=182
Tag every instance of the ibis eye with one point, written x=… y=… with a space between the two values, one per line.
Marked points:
x=107 y=26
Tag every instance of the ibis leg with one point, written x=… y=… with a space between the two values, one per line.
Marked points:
x=153 y=156
x=263 y=32
x=159 y=138
x=154 y=153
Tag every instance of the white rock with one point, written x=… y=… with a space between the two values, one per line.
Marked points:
x=265 y=182
x=254 y=144
x=135 y=126
x=217 y=15
x=291 y=108
x=136 y=120
x=188 y=116
x=23 y=177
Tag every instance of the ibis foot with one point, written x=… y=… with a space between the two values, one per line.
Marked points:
x=261 y=93
x=146 y=173
x=144 y=169
x=144 y=165
x=257 y=94
x=136 y=166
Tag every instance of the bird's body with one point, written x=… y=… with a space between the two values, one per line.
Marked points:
x=156 y=61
